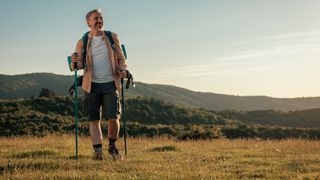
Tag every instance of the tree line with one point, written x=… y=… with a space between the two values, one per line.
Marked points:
x=147 y=117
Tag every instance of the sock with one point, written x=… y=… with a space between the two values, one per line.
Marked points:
x=97 y=147
x=112 y=142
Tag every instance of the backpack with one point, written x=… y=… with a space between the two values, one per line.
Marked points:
x=84 y=56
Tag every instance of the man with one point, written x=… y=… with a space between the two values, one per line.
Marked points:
x=104 y=69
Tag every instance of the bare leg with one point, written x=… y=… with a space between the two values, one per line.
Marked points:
x=113 y=134
x=95 y=132
x=113 y=128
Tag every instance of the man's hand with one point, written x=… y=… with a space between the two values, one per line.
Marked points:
x=75 y=58
x=122 y=74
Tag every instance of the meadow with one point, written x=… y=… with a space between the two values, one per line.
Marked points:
x=53 y=157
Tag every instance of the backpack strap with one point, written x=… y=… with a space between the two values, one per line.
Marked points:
x=84 y=47
x=85 y=42
x=109 y=36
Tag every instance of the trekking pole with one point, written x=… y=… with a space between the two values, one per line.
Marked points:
x=123 y=106
x=75 y=101
x=76 y=106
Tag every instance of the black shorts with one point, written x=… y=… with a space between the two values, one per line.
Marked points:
x=105 y=97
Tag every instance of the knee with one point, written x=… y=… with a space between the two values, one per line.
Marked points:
x=113 y=120
x=96 y=122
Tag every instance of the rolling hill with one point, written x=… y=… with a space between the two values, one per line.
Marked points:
x=28 y=85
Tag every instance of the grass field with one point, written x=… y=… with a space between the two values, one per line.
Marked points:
x=52 y=157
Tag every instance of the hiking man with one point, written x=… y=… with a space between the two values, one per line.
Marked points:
x=104 y=68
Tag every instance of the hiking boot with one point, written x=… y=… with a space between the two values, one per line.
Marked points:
x=114 y=152
x=97 y=155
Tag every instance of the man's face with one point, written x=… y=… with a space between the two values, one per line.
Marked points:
x=95 y=21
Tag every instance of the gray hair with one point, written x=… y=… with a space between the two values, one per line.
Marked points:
x=93 y=11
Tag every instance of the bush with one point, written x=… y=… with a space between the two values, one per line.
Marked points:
x=46 y=93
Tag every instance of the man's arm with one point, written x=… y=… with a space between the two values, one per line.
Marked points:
x=119 y=54
x=78 y=58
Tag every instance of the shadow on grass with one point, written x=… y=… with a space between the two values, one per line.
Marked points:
x=73 y=157
x=54 y=163
x=35 y=154
x=163 y=149
x=16 y=166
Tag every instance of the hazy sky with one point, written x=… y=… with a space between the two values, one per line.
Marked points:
x=247 y=47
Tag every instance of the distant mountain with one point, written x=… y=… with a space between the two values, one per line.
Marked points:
x=27 y=85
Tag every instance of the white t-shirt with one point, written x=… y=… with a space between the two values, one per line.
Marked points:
x=102 y=67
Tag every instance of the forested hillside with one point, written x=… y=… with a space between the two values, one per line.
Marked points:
x=152 y=117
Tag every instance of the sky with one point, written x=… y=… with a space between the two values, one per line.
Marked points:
x=247 y=47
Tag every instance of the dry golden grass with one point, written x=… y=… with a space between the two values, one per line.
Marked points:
x=52 y=157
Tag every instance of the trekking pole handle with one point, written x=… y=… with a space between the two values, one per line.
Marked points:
x=129 y=80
